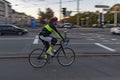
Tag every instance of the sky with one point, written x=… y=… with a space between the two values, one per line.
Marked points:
x=31 y=7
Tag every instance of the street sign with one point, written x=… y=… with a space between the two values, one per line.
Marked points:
x=101 y=6
x=106 y=9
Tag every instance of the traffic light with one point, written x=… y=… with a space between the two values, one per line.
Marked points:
x=64 y=11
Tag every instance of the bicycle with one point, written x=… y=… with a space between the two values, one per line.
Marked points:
x=65 y=56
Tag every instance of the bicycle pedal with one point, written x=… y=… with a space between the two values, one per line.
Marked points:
x=49 y=60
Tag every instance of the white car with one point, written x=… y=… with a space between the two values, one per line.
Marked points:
x=67 y=25
x=115 y=30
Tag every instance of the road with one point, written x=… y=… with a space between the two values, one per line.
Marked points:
x=84 y=68
x=82 y=41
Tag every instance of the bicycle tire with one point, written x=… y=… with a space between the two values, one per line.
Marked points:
x=66 y=57
x=35 y=61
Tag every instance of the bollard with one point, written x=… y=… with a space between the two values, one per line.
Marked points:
x=65 y=33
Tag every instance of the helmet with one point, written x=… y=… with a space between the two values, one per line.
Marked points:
x=53 y=19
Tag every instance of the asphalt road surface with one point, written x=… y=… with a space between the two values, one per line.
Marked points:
x=86 y=41
x=84 y=68
x=81 y=40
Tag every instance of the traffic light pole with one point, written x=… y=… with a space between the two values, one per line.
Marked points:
x=60 y=8
x=102 y=14
x=78 y=13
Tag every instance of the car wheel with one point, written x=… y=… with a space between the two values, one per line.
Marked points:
x=20 y=33
x=113 y=33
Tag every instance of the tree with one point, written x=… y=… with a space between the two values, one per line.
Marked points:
x=89 y=17
x=43 y=16
x=93 y=17
x=49 y=13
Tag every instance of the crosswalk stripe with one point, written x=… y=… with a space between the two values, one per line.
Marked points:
x=105 y=47
x=36 y=40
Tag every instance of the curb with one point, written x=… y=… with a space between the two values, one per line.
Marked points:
x=78 y=54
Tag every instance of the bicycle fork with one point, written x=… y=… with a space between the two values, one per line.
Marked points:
x=62 y=49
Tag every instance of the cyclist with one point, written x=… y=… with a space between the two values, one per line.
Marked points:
x=44 y=35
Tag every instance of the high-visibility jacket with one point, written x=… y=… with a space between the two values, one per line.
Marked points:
x=48 y=29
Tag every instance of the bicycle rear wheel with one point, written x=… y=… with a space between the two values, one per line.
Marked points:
x=36 y=58
x=66 y=57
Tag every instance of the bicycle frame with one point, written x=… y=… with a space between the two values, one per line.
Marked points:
x=60 y=47
x=62 y=53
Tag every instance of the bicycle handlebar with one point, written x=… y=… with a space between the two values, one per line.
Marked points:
x=64 y=42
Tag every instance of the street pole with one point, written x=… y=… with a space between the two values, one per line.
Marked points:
x=77 y=12
x=60 y=8
x=115 y=18
x=102 y=18
x=102 y=13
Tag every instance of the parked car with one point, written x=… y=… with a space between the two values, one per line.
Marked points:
x=115 y=30
x=12 y=29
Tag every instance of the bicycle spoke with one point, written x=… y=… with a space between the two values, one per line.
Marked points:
x=36 y=58
x=66 y=57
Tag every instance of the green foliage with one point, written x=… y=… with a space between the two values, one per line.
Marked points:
x=45 y=15
x=89 y=18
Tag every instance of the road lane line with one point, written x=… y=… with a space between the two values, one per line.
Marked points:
x=105 y=47
x=36 y=40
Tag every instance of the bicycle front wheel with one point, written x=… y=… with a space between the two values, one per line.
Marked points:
x=36 y=58
x=66 y=56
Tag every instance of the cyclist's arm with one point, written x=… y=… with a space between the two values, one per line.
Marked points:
x=56 y=32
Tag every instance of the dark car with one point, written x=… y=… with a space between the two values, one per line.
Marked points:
x=12 y=29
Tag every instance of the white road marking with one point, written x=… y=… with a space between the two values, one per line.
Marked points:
x=105 y=47
x=36 y=40
x=114 y=39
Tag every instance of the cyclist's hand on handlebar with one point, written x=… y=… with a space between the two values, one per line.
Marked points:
x=65 y=42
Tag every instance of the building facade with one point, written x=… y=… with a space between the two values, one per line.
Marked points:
x=5 y=12
x=20 y=18
x=10 y=16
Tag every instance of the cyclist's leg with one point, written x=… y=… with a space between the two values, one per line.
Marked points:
x=46 y=44
x=50 y=40
x=53 y=42
x=44 y=41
